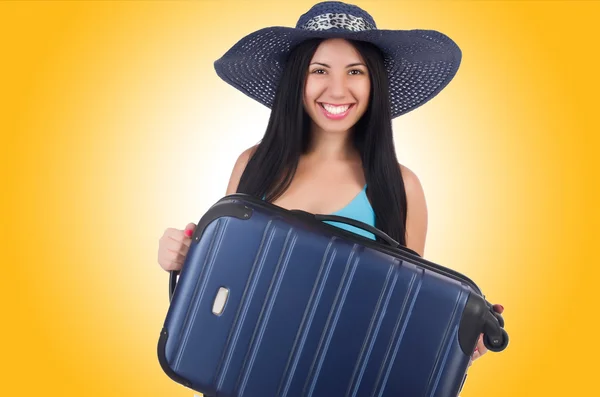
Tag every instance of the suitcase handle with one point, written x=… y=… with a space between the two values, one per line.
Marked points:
x=360 y=225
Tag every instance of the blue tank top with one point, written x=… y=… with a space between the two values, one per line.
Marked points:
x=358 y=209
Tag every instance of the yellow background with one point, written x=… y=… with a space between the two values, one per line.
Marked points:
x=115 y=127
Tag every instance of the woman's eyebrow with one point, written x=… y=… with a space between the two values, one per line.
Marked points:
x=356 y=64
x=348 y=66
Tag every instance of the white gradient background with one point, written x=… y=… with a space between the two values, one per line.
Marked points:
x=115 y=126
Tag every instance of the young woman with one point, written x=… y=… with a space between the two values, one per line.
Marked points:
x=334 y=84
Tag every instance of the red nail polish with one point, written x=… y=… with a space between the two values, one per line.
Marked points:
x=188 y=233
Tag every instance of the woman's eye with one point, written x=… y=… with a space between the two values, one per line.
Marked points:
x=352 y=72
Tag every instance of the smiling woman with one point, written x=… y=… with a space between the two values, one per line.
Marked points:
x=333 y=84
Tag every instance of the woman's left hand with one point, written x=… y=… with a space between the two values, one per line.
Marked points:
x=480 y=350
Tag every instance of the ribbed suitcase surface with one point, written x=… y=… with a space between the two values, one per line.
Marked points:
x=310 y=312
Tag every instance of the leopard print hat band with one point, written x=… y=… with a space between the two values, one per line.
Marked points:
x=419 y=63
x=337 y=20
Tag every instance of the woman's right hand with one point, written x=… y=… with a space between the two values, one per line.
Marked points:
x=173 y=247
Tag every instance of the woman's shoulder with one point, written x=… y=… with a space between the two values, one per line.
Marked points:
x=412 y=184
x=242 y=160
x=238 y=169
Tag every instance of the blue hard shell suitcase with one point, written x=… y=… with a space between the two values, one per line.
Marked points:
x=279 y=303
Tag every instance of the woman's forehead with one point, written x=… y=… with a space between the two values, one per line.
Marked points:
x=336 y=50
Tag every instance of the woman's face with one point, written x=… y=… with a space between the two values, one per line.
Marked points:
x=337 y=88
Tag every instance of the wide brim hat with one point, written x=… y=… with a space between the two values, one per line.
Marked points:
x=419 y=62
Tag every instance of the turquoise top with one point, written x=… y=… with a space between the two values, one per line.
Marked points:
x=358 y=209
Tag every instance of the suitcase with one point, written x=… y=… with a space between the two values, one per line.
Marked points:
x=278 y=303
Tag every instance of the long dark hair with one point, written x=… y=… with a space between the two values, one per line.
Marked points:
x=271 y=168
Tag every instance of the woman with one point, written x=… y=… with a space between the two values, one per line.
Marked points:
x=334 y=84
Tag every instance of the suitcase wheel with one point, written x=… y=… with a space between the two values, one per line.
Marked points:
x=496 y=343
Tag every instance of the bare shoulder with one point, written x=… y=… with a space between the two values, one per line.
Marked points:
x=412 y=185
x=411 y=180
x=244 y=157
x=416 y=220
x=238 y=169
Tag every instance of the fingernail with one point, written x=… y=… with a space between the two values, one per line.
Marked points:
x=188 y=233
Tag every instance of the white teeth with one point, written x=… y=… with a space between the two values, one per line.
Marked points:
x=335 y=109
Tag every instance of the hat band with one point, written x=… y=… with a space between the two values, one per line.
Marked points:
x=340 y=21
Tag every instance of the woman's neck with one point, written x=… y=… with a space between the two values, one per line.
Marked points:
x=326 y=146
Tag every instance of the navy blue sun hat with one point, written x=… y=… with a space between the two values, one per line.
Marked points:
x=419 y=63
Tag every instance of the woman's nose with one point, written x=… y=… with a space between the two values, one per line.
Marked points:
x=337 y=86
